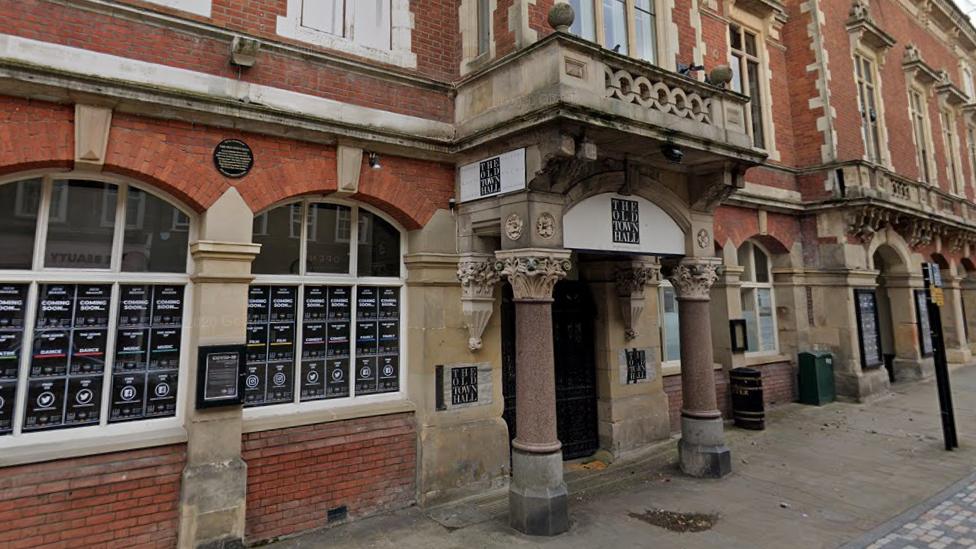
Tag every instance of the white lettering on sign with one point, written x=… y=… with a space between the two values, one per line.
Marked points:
x=493 y=176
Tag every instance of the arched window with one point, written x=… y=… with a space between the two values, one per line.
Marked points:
x=93 y=278
x=758 y=307
x=324 y=311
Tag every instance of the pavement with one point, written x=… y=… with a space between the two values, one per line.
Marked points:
x=853 y=475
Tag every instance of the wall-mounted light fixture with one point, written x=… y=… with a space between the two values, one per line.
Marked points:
x=374 y=161
x=673 y=153
x=737 y=330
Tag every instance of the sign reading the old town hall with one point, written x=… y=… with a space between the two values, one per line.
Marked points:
x=493 y=176
x=616 y=223
x=636 y=366
x=233 y=158
x=462 y=385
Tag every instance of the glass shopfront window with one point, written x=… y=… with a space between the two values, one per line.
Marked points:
x=330 y=329
x=93 y=290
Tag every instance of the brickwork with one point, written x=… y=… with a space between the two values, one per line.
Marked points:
x=672 y=388
x=296 y=475
x=122 y=499
x=35 y=135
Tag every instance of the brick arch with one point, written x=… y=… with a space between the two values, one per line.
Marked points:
x=35 y=135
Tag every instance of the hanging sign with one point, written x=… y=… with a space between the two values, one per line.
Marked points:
x=233 y=158
x=616 y=223
x=493 y=176
x=218 y=376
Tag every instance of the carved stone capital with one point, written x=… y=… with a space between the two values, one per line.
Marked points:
x=692 y=278
x=533 y=272
x=631 y=279
x=478 y=278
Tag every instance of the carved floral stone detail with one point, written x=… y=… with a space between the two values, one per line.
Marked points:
x=703 y=238
x=693 y=278
x=546 y=225
x=514 y=226
x=630 y=282
x=478 y=278
x=532 y=272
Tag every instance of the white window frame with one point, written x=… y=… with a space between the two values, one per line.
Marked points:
x=971 y=142
x=879 y=154
x=401 y=24
x=755 y=286
x=950 y=141
x=742 y=58
x=352 y=280
x=919 y=114
x=661 y=51
x=20 y=445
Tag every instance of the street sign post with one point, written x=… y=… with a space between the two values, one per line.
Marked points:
x=935 y=300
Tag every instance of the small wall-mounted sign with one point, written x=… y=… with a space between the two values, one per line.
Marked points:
x=462 y=385
x=637 y=366
x=500 y=174
x=219 y=382
x=233 y=158
x=738 y=335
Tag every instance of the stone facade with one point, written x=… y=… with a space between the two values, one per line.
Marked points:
x=785 y=208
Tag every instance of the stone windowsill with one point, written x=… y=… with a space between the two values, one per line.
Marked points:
x=291 y=418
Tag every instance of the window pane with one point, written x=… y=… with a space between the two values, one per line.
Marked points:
x=762 y=265
x=646 y=37
x=669 y=320
x=156 y=235
x=80 y=236
x=755 y=104
x=737 y=74
x=372 y=25
x=750 y=43
x=323 y=15
x=745 y=261
x=615 y=25
x=328 y=238
x=584 y=25
x=279 y=248
x=484 y=26
x=379 y=246
x=767 y=330
x=752 y=321
x=19 y=203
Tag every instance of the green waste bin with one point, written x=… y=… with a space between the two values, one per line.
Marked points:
x=816 y=378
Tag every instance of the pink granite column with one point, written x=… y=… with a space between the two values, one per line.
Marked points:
x=702 y=449
x=538 y=501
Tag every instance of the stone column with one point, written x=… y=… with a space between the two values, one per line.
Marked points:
x=953 y=323
x=702 y=449
x=537 y=494
x=212 y=496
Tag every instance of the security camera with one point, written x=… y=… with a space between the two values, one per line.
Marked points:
x=673 y=153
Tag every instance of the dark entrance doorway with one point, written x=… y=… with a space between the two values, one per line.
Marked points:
x=572 y=326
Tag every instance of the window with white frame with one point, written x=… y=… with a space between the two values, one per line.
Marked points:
x=670 y=339
x=746 y=75
x=951 y=143
x=484 y=26
x=866 y=77
x=971 y=141
x=967 y=83
x=758 y=307
x=625 y=26
x=325 y=310
x=93 y=289
x=920 y=128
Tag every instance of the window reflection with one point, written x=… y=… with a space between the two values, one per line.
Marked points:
x=19 y=204
x=379 y=252
x=156 y=235
x=279 y=244
x=83 y=237
x=328 y=238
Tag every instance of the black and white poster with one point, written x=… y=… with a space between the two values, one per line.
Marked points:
x=257 y=343
x=45 y=404
x=924 y=327
x=365 y=338
x=83 y=402
x=388 y=341
x=88 y=351
x=254 y=384
x=134 y=305
x=280 y=384
x=164 y=348
x=869 y=333
x=13 y=301
x=340 y=304
x=91 y=306
x=389 y=303
x=55 y=305
x=161 y=389
x=281 y=342
x=338 y=339
x=315 y=300
x=11 y=343
x=131 y=349
x=366 y=375
x=313 y=380
x=366 y=303
x=167 y=305
x=8 y=391
x=313 y=340
x=257 y=304
x=128 y=396
x=50 y=354
x=282 y=304
x=337 y=383
x=389 y=374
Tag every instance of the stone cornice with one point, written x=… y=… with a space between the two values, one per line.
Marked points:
x=917 y=68
x=533 y=272
x=860 y=22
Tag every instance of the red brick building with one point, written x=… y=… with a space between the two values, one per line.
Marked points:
x=436 y=247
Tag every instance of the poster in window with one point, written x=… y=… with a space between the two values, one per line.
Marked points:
x=924 y=328
x=54 y=306
x=50 y=355
x=313 y=340
x=366 y=303
x=389 y=303
x=337 y=383
x=254 y=384
x=91 y=306
x=868 y=329
x=365 y=375
x=280 y=383
x=8 y=390
x=257 y=343
x=167 y=305
x=84 y=402
x=134 y=305
x=389 y=337
x=164 y=348
x=10 y=345
x=257 y=304
x=161 y=394
x=313 y=380
x=389 y=374
x=45 y=404
x=282 y=304
x=131 y=349
x=281 y=342
x=128 y=397
x=339 y=303
x=13 y=298
x=88 y=351
x=338 y=339
x=316 y=298
x=366 y=338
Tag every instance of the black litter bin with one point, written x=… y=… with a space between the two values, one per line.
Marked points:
x=748 y=410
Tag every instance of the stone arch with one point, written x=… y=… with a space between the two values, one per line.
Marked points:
x=969 y=267
x=652 y=190
x=777 y=251
x=947 y=265
x=895 y=251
